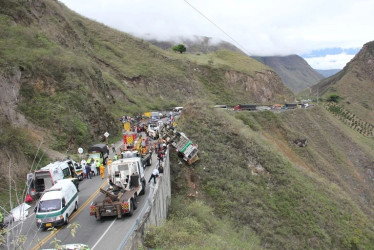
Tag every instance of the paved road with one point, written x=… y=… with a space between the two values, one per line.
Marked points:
x=106 y=234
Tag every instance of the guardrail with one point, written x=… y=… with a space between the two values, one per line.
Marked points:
x=149 y=215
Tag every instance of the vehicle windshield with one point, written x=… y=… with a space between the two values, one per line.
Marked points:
x=49 y=205
x=95 y=156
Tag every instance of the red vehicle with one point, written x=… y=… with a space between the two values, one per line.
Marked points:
x=240 y=107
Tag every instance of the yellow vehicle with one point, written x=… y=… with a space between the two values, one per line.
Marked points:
x=148 y=114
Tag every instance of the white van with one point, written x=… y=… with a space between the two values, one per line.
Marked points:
x=57 y=204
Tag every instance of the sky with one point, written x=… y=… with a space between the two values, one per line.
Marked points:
x=326 y=33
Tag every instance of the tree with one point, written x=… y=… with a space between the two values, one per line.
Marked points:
x=333 y=98
x=179 y=48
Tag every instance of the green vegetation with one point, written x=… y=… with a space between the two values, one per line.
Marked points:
x=243 y=176
x=193 y=225
x=333 y=98
x=179 y=48
x=350 y=119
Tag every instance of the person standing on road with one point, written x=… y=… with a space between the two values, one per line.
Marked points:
x=160 y=157
x=88 y=171
x=154 y=175
x=102 y=171
x=97 y=167
x=109 y=162
x=114 y=148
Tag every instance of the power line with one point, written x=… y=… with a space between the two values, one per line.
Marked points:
x=202 y=14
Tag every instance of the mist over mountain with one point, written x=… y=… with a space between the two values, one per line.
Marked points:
x=196 y=44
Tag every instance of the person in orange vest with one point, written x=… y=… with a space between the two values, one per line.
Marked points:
x=102 y=171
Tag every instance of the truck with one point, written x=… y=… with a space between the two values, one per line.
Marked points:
x=184 y=146
x=44 y=178
x=98 y=152
x=126 y=182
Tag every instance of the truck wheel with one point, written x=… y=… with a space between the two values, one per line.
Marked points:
x=76 y=206
x=143 y=188
x=67 y=219
x=131 y=208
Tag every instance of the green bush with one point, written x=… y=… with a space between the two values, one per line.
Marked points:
x=333 y=98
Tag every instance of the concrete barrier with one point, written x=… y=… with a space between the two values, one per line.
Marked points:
x=154 y=213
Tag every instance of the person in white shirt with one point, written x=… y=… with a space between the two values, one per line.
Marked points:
x=155 y=174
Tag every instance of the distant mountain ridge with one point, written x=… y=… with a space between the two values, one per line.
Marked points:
x=294 y=71
x=327 y=72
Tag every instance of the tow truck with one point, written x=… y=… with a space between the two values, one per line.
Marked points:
x=126 y=182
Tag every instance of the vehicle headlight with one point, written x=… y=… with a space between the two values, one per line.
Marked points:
x=38 y=220
x=60 y=217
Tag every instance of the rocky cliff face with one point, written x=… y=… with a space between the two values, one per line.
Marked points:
x=264 y=87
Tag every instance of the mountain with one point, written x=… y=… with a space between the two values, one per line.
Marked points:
x=354 y=84
x=65 y=80
x=327 y=72
x=294 y=71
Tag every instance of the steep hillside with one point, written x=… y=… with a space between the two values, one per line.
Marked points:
x=294 y=71
x=252 y=173
x=354 y=84
x=65 y=80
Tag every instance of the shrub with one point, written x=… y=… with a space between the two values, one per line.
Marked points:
x=333 y=98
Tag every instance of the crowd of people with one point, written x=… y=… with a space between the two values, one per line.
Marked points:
x=93 y=167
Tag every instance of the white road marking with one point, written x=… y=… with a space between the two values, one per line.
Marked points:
x=102 y=236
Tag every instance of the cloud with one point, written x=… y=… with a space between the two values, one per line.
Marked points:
x=258 y=27
x=337 y=61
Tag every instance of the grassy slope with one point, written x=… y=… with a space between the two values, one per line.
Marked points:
x=300 y=198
